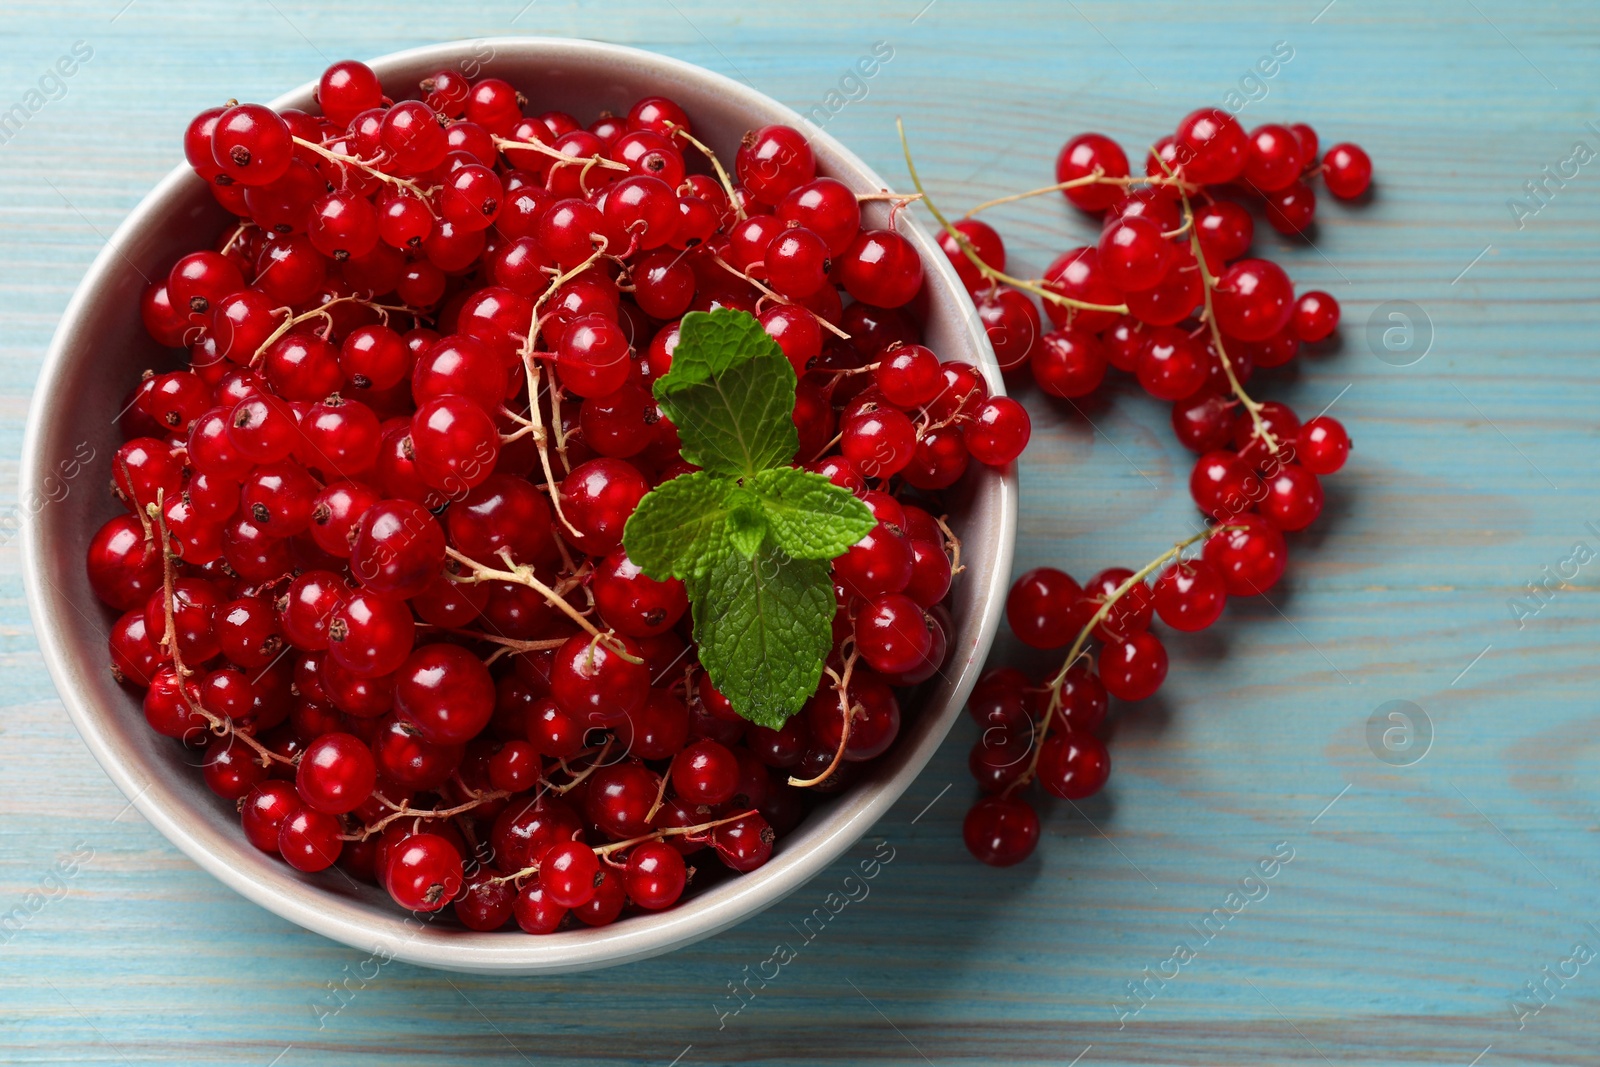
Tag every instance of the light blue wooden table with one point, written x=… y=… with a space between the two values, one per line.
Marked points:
x=1420 y=899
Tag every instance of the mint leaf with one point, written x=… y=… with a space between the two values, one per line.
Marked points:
x=730 y=393
x=710 y=342
x=681 y=526
x=764 y=626
x=811 y=518
x=747 y=522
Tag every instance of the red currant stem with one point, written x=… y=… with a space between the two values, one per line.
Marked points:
x=1183 y=228
x=1097 y=178
x=1077 y=649
x=604 y=851
x=238 y=232
x=522 y=574
x=360 y=164
x=823 y=451
x=510 y=644
x=221 y=727
x=661 y=793
x=1036 y=288
x=671 y=831
x=716 y=165
x=594 y=765
x=144 y=519
x=541 y=438
x=953 y=544
x=845 y=372
x=1210 y=283
x=770 y=295
x=903 y=198
x=841 y=684
x=402 y=811
x=506 y=144
x=321 y=312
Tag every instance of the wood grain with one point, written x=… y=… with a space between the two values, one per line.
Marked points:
x=1416 y=906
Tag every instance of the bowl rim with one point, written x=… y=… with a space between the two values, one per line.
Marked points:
x=314 y=908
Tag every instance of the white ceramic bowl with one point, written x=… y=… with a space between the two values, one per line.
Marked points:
x=96 y=356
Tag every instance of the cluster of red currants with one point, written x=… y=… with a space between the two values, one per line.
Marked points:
x=370 y=566
x=1170 y=294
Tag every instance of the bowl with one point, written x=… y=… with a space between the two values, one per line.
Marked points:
x=100 y=348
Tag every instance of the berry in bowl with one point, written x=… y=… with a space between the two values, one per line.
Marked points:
x=550 y=495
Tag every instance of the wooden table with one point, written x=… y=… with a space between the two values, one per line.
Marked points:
x=1419 y=900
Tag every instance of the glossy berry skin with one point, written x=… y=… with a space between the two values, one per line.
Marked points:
x=892 y=634
x=1292 y=209
x=336 y=774
x=620 y=798
x=1134 y=669
x=424 y=872
x=446 y=692
x=309 y=840
x=1294 y=498
x=1001 y=831
x=985 y=243
x=1069 y=363
x=881 y=268
x=1189 y=595
x=656 y=875
x=398 y=548
x=1170 y=366
x=568 y=871
x=607 y=903
x=633 y=603
x=908 y=376
x=251 y=144
x=1089 y=154
x=1128 y=614
x=1042 y=608
x=1134 y=254
x=1316 y=316
x=706 y=773
x=1347 y=171
x=1253 y=300
x=597 y=498
x=1073 y=766
x=998 y=431
x=1273 y=158
x=1225 y=229
x=880 y=442
x=1210 y=146
x=1322 y=445
x=743 y=844
x=485 y=904
x=264 y=811
x=773 y=161
x=535 y=912
x=878 y=563
x=592 y=682
x=371 y=633
x=1251 y=559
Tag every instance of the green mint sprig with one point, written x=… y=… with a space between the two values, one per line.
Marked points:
x=749 y=535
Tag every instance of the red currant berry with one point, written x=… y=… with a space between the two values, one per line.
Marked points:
x=1322 y=445
x=336 y=774
x=424 y=872
x=1273 y=158
x=881 y=268
x=1189 y=595
x=1294 y=498
x=310 y=840
x=1133 y=669
x=1249 y=553
x=1001 y=831
x=1210 y=146
x=569 y=871
x=1091 y=154
x=1347 y=171
x=656 y=875
x=1316 y=316
x=1253 y=300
